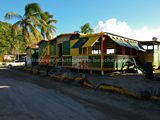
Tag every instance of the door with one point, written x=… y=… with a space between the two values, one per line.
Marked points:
x=60 y=54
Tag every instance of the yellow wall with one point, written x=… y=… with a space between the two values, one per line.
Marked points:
x=155 y=60
x=72 y=42
x=74 y=51
x=49 y=49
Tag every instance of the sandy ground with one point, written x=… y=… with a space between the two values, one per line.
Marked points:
x=30 y=97
x=132 y=82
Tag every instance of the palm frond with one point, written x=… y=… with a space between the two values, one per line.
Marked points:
x=16 y=24
x=52 y=28
x=11 y=15
x=35 y=32
x=32 y=8
x=52 y=21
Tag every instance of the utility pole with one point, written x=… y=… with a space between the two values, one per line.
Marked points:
x=18 y=50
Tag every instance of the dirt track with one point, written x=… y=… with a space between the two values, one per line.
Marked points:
x=27 y=97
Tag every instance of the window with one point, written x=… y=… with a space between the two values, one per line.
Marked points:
x=145 y=47
x=110 y=51
x=150 y=47
x=96 y=51
x=85 y=50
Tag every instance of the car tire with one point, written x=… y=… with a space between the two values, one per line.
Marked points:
x=9 y=66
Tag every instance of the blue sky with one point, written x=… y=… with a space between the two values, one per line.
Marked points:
x=71 y=14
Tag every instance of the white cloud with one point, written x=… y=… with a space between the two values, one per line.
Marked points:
x=123 y=29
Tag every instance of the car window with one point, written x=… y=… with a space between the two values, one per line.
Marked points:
x=19 y=61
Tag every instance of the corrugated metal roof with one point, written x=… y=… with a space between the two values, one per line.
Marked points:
x=126 y=42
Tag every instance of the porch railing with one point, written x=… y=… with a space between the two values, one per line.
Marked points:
x=98 y=61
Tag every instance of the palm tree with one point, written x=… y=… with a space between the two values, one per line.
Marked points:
x=32 y=8
x=86 y=28
x=33 y=20
x=26 y=25
x=27 y=21
x=43 y=20
x=46 y=25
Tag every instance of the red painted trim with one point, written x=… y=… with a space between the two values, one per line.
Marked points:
x=105 y=44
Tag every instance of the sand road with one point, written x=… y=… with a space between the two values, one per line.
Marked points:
x=27 y=97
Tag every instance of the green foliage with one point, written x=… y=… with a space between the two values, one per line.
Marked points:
x=47 y=27
x=29 y=29
x=86 y=29
x=9 y=40
x=35 y=23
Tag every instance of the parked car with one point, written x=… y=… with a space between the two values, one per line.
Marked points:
x=14 y=63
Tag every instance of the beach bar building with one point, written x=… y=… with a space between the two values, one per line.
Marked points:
x=93 y=52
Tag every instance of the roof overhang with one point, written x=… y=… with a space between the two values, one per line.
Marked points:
x=42 y=42
x=126 y=42
x=63 y=35
x=150 y=42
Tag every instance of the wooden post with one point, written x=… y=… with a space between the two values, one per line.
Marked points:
x=131 y=52
x=102 y=56
x=57 y=54
x=123 y=50
x=91 y=72
x=102 y=72
x=49 y=53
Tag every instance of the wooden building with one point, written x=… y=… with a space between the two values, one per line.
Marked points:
x=93 y=52
x=101 y=51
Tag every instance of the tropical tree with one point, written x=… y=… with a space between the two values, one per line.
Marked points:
x=34 y=22
x=47 y=27
x=25 y=23
x=9 y=41
x=31 y=9
x=43 y=20
x=86 y=28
